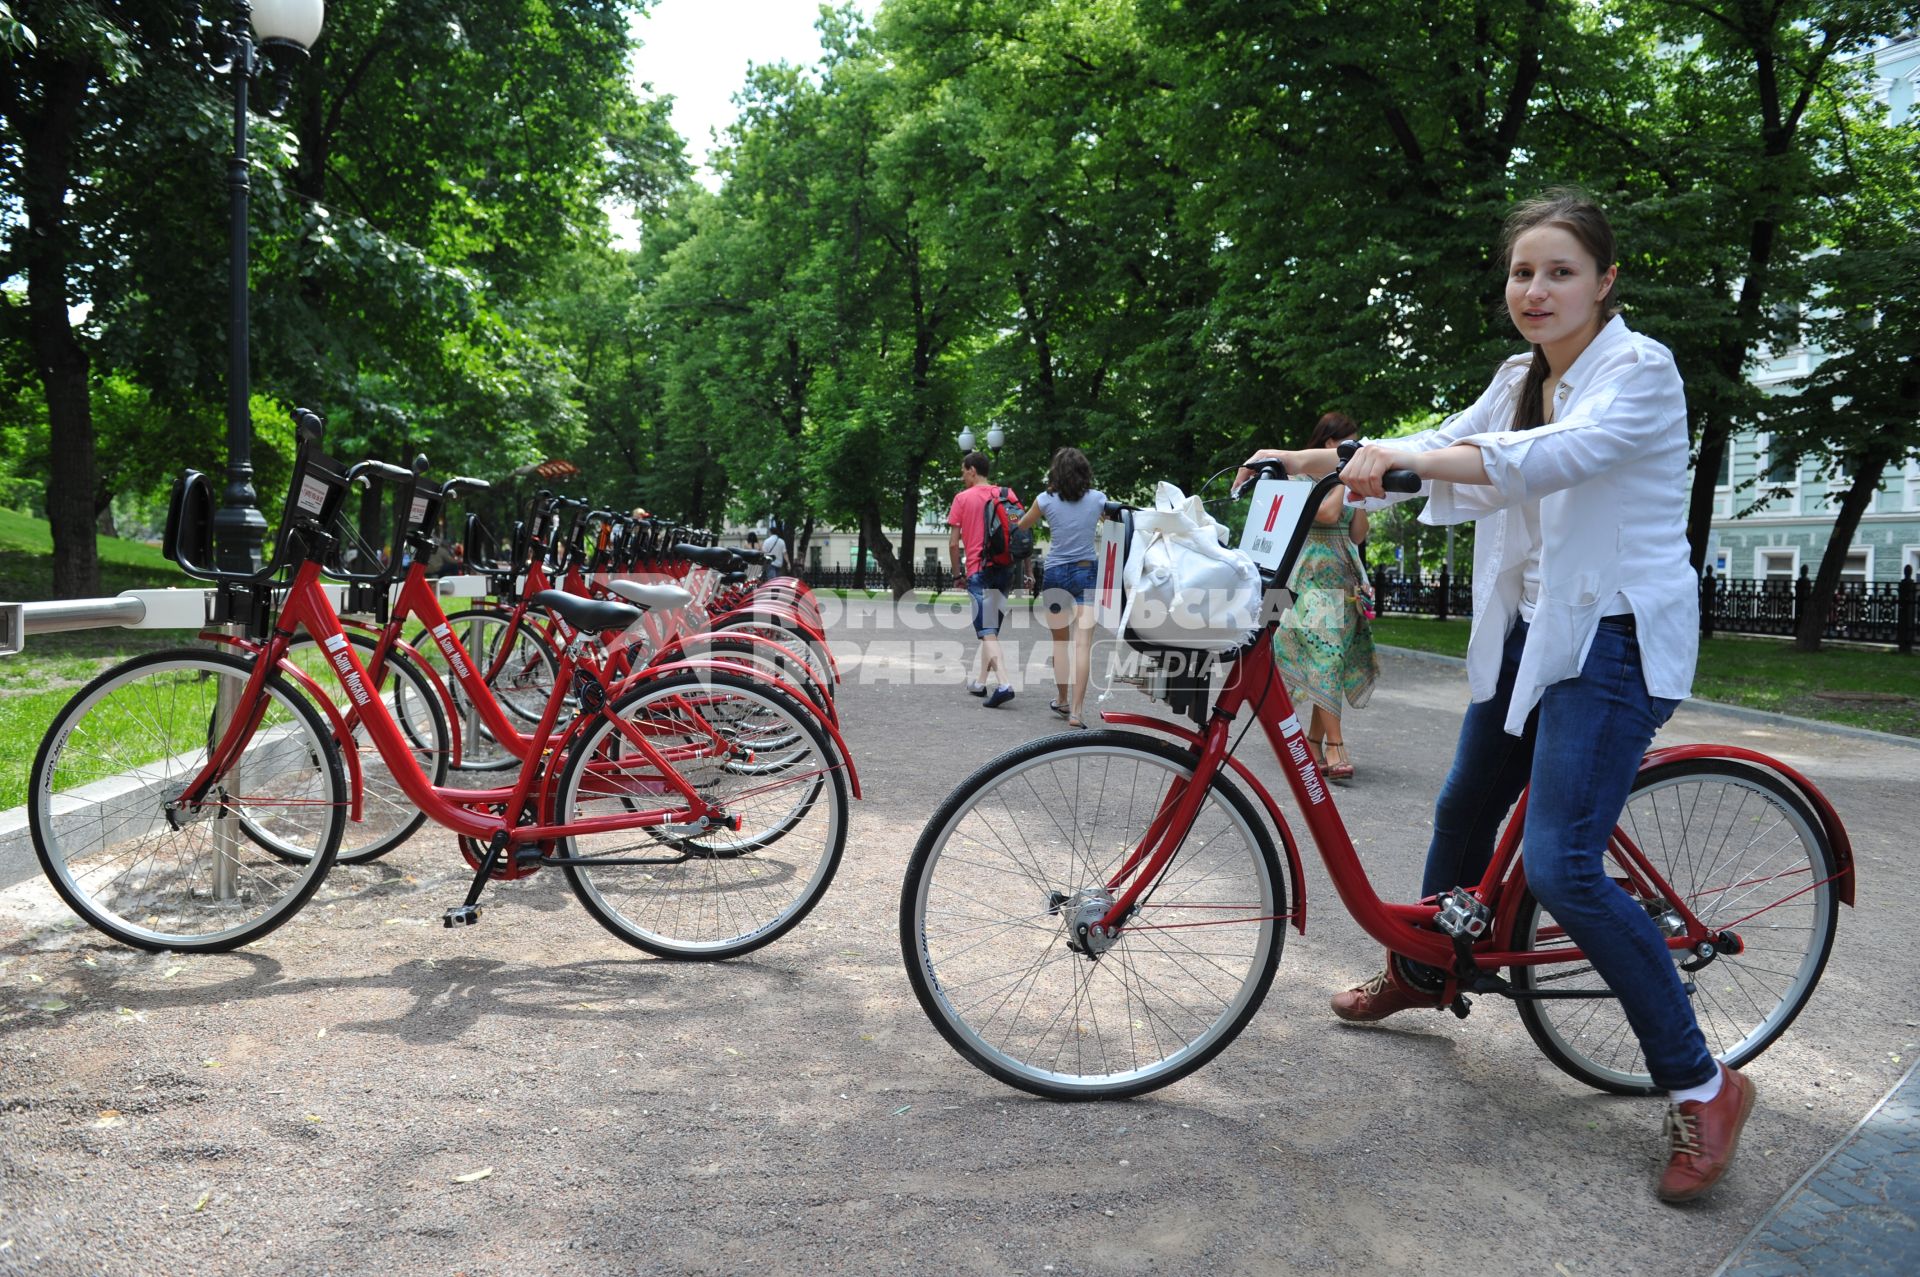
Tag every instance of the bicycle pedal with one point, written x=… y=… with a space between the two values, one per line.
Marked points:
x=1460 y=1006
x=461 y=916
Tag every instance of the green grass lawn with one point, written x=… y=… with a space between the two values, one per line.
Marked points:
x=1861 y=687
x=26 y=562
x=37 y=682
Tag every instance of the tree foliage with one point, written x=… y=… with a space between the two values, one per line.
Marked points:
x=1166 y=231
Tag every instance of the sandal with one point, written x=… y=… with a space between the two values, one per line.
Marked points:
x=1074 y=721
x=1060 y=709
x=1316 y=745
x=1341 y=771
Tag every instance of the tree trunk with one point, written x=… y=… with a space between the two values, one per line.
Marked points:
x=890 y=565
x=49 y=137
x=1813 y=622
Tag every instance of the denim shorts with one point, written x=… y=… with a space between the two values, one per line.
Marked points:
x=1067 y=584
x=988 y=589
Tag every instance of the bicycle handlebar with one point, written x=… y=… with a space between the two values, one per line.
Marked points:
x=378 y=469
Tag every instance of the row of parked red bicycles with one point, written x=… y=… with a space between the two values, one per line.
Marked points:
x=613 y=700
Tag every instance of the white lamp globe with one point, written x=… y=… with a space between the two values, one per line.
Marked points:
x=966 y=439
x=289 y=21
x=996 y=438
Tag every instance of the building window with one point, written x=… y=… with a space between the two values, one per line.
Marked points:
x=1777 y=564
x=1910 y=558
x=1722 y=562
x=1858 y=566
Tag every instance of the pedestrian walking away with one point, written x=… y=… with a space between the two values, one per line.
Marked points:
x=1072 y=507
x=986 y=584
x=775 y=548
x=1585 y=633
x=1324 y=645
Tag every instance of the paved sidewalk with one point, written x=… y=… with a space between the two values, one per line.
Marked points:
x=1857 y=1212
x=366 y=1092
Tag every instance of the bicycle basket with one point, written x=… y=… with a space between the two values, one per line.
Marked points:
x=1181 y=588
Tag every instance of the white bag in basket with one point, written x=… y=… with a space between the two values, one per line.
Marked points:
x=1184 y=588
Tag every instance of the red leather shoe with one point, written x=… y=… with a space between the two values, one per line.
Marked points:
x=1384 y=995
x=1703 y=1135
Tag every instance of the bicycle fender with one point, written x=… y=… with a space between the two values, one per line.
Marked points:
x=748 y=614
x=674 y=667
x=677 y=651
x=1191 y=737
x=1822 y=808
x=349 y=748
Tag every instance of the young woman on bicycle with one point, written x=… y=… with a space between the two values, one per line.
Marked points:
x=1585 y=633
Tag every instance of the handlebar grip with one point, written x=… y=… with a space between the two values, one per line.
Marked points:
x=1392 y=480
x=1113 y=510
x=464 y=483
x=392 y=474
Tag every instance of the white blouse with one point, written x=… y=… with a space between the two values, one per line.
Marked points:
x=1606 y=486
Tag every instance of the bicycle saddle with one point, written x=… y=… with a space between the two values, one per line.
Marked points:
x=715 y=557
x=586 y=614
x=651 y=596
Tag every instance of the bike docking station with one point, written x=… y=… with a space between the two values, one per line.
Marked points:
x=221 y=613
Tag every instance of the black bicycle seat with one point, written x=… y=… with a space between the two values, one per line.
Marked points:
x=586 y=614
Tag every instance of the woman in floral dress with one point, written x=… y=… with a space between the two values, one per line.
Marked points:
x=1325 y=644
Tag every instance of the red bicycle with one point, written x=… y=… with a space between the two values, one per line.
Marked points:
x=1097 y=914
x=194 y=800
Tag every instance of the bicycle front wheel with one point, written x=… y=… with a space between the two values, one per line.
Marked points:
x=518 y=671
x=1745 y=854
x=1036 y=843
x=187 y=879
x=723 y=890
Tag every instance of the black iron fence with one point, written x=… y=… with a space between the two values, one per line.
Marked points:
x=872 y=578
x=1876 y=612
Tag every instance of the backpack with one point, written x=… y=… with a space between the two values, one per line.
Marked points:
x=1005 y=542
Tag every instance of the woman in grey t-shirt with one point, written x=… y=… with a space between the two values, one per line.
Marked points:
x=1072 y=507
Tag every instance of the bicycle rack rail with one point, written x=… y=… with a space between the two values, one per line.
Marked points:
x=159 y=610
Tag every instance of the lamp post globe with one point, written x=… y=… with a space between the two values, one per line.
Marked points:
x=290 y=26
x=966 y=439
x=996 y=438
x=295 y=22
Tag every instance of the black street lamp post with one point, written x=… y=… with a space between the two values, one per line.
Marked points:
x=285 y=29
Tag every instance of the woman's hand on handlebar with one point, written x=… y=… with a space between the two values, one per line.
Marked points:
x=1246 y=470
x=1363 y=472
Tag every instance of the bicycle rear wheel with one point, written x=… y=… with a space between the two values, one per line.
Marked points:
x=1744 y=853
x=192 y=880
x=717 y=892
x=1032 y=844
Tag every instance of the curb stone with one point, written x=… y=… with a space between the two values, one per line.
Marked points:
x=1855 y=1212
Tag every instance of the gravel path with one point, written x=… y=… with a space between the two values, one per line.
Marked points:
x=365 y=1092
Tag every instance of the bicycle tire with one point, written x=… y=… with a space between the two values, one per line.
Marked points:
x=1030 y=821
x=1687 y=817
x=116 y=753
x=388 y=816
x=719 y=893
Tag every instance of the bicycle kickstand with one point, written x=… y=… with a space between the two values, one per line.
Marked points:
x=468 y=914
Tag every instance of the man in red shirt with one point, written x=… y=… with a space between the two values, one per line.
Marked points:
x=986 y=585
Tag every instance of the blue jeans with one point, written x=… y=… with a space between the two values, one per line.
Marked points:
x=1580 y=753
x=988 y=589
